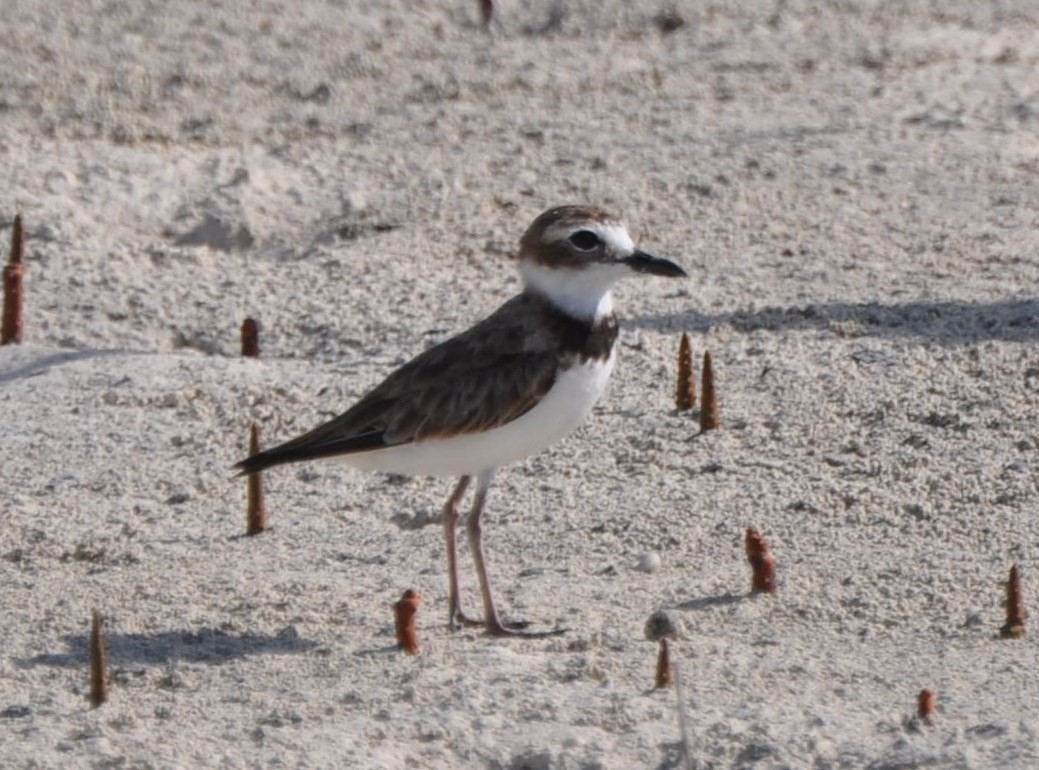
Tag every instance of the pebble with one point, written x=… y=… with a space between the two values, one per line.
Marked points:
x=649 y=562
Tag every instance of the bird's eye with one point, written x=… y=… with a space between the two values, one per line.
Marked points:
x=585 y=240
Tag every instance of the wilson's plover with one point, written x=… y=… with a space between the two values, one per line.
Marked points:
x=510 y=386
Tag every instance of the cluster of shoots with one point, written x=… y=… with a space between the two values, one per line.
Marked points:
x=685 y=390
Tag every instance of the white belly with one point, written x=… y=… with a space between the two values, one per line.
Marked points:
x=562 y=409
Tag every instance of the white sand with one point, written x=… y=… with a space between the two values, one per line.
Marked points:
x=853 y=189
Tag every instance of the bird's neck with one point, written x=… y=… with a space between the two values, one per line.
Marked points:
x=583 y=294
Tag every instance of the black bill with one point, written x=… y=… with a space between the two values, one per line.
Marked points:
x=641 y=262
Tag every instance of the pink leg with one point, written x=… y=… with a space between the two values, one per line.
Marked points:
x=456 y=618
x=492 y=622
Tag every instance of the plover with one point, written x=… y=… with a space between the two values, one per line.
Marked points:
x=518 y=381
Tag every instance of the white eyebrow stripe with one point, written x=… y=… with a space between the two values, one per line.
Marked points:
x=613 y=234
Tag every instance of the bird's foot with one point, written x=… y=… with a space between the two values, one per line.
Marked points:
x=460 y=620
x=518 y=628
x=499 y=628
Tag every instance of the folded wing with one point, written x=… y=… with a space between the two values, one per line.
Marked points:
x=480 y=379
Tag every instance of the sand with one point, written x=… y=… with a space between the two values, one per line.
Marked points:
x=852 y=188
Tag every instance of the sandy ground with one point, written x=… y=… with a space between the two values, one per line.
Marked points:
x=852 y=187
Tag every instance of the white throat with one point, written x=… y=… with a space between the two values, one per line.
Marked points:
x=582 y=292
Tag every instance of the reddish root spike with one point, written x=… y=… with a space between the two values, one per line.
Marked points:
x=665 y=676
x=98 y=662
x=486 y=13
x=17 y=255
x=14 y=289
x=685 y=390
x=925 y=706
x=762 y=562
x=404 y=613
x=1015 y=606
x=250 y=338
x=256 y=506
x=708 y=396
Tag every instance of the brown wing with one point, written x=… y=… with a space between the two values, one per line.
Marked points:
x=482 y=378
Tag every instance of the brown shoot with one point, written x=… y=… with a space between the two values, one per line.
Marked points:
x=98 y=663
x=250 y=338
x=404 y=613
x=708 y=397
x=925 y=706
x=1016 y=613
x=14 y=290
x=256 y=509
x=762 y=562
x=685 y=391
x=486 y=13
x=665 y=676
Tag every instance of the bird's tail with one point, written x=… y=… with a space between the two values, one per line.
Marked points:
x=316 y=445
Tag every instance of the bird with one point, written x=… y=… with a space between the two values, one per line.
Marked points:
x=506 y=388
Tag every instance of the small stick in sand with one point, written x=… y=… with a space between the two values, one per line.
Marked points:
x=486 y=13
x=925 y=706
x=1016 y=614
x=708 y=396
x=14 y=272
x=660 y=627
x=665 y=677
x=250 y=338
x=256 y=509
x=404 y=613
x=761 y=561
x=685 y=392
x=98 y=663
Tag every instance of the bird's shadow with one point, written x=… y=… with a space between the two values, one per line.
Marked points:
x=950 y=322
x=706 y=602
x=46 y=361
x=206 y=645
